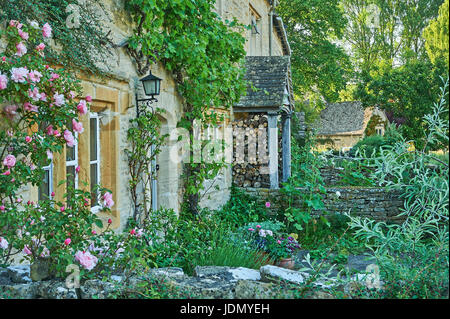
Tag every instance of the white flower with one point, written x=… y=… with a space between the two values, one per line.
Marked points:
x=338 y=194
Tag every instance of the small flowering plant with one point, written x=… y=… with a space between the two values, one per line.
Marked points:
x=277 y=246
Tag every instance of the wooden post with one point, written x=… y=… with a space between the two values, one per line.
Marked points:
x=273 y=149
x=286 y=144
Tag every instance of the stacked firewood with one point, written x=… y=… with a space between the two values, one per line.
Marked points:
x=250 y=161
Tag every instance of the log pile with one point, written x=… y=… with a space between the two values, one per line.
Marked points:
x=250 y=166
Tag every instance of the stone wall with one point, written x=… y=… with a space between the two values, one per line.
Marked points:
x=374 y=203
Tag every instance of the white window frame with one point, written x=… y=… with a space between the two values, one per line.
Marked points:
x=48 y=168
x=97 y=208
x=74 y=162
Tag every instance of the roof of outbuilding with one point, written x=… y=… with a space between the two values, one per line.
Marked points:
x=268 y=78
x=343 y=117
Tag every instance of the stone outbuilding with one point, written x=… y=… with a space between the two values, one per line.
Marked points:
x=342 y=125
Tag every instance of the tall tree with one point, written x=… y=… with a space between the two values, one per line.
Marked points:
x=436 y=35
x=387 y=31
x=319 y=66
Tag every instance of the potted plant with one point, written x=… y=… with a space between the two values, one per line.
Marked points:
x=282 y=249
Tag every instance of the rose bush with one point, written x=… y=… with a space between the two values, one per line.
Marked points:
x=40 y=109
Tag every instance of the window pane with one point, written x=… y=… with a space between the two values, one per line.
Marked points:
x=93 y=137
x=94 y=182
x=44 y=187
x=71 y=176
x=70 y=151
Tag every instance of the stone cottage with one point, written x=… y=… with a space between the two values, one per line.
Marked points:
x=342 y=125
x=100 y=149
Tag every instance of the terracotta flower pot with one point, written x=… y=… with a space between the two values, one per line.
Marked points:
x=287 y=263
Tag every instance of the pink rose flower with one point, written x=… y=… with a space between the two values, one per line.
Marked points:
x=9 y=161
x=40 y=47
x=19 y=75
x=77 y=126
x=86 y=259
x=89 y=98
x=47 y=31
x=82 y=107
x=268 y=204
x=70 y=140
x=53 y=77
x=26 y=250
x=28 y=139
x=21 y=49
x=35 y=76
x=24 y=35
x=7 y=173
x=11 y=111
x=49 y=155
x=30 y=107
x=3 y=81
x=34 y=94
x=3 y=243
x=2 y=208
x=67 y=241
x=108 y=200
x=59 y=99
x=78 y=169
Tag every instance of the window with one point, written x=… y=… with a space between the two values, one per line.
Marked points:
x=72 y=162
x=46 y=187
x=94 y=144
x=379 y=131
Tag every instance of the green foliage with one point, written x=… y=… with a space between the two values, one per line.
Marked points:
x=242 y=209
x=381 y=31
x=145 y=141
x=80 y=47
x=305 y=184
x=318 y=64
x=408 y=92
x=232 y=252
x=414 y=256
x=436 y=35
x=204 y=54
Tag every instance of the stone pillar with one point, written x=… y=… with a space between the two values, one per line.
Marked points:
x=273 y=149
x=286 y=144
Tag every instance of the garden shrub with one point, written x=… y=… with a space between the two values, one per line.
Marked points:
x=413 y=257
x=40 y=115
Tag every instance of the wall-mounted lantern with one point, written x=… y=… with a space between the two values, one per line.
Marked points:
x=152 y=88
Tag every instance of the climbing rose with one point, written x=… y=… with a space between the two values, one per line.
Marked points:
x=3 y=243
x=19 y=75
x=40 y=47
x=3 y=81
x=35 y=76
x=21 y=49
x=82 y=108
x=86 y=259
x=77 y=126
x=26 y=250
x=24 y=35
x=11 y=110
x=108 y=200
x=30 y=107
x=34 y=94
x=59 y=99
x=67 y=241
x=47 y=30
x=28 y=139
x=68 y=136
x=9 y=161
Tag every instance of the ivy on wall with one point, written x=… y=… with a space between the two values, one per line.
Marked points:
x=80 y=41
x=204 y=54
x=374 y=122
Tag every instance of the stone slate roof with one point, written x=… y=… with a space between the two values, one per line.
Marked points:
x=343 y=117
x=268 y=77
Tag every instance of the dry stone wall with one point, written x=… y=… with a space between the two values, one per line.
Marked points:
x=375 y=203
